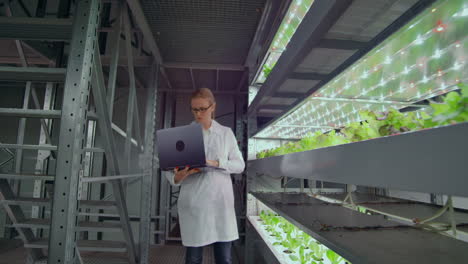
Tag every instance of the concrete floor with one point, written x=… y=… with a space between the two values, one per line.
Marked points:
x=169 y=254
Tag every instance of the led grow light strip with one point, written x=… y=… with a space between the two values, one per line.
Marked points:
x=443 y=79
x=296 y=11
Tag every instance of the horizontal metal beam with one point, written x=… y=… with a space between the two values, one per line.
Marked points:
x=34 y=113
x=17 y=60
x=27 y=177
x=308 y=76
x=112 y=178
x=428 y=161
x=34 y=74
x=204 y=66
x=31 y=113
x=31 y=28
x=188 y=91
x=139 y=61
x=86 y=245
x=44 y=147
x=341 y=44
x=31 y=147
x=82 y=226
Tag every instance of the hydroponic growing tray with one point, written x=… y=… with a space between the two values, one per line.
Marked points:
x=430 y=161
x=362 y=238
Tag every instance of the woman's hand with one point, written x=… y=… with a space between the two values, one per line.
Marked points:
x=180 y=175
x=213 y=163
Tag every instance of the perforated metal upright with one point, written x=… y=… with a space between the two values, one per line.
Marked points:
x=149 y=167
x=62 y=243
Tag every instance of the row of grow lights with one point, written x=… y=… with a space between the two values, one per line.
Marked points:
x=424 y=59
x=291 y=21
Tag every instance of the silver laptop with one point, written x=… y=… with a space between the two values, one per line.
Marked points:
x=181 y=146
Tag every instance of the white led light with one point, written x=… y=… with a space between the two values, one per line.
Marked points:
x=382 y=82
x=406 y=70
x=419 y=40
x=456 y=66
x=462 y=13
x=437 y=54
x=364 y=75
x=388 y=60
x=425 y=79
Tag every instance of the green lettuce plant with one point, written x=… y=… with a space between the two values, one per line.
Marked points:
x=302 y=248
x=453 y=109
x=333 y=257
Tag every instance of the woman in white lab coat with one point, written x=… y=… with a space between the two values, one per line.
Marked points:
x=206 y=199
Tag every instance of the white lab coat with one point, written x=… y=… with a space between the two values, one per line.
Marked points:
x=206 y=199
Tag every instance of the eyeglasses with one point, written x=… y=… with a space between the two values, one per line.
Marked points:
x=201 y=109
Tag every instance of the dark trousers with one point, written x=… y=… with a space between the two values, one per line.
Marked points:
x=222 y=253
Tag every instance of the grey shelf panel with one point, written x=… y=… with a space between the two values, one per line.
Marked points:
x=30 y=28
x=430 y=161
x=359 y=241
x=400 y=207
x=366 y=198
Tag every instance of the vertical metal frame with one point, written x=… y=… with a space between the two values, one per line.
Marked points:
x=62 y=242
x=20 y=139
x=148 y=167
x=43 y=155
x=105 y=128
x=132 y=87
x=115 y=53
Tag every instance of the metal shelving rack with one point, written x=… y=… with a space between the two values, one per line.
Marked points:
x=403 y=162
x=77 y=135
x=429 y=161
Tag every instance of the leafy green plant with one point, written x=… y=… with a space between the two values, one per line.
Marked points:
x=453 y=109
x=333 y=257
x=299 y=246
x=266 y=70
x=317 y=250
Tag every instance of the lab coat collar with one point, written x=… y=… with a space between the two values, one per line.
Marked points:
x=215 y=127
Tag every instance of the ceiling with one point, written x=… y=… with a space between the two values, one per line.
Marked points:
x=204 y=43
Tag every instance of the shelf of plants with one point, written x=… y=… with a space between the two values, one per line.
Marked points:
x=351 y=131
x=342 y=235
x=424 y=59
